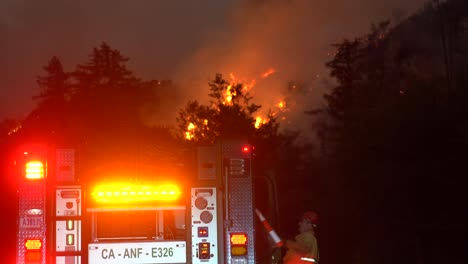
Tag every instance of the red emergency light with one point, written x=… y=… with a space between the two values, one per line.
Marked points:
x=246 y=149
x=34 y=170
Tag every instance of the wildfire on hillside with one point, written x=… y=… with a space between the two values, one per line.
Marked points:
x=246 y=87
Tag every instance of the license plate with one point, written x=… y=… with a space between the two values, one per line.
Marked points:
x=137 y=252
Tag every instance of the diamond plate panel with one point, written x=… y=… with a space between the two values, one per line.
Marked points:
x=241 y=200
x=206 y=157
x=65 y=165
x=31 y=220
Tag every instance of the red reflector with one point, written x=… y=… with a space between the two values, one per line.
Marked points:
x=33 y=244
x=33 y=257
x=239 y=239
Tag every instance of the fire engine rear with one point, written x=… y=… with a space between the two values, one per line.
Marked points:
x=204 y=215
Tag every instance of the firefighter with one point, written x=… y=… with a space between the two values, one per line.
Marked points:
x=304 y=248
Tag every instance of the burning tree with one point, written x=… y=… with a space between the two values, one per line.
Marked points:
x=230 y=113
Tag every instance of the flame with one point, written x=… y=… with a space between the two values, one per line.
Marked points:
x=230 y=94
x=259 y=121
x=189 y=134
x=281 y=104
x=246 y=86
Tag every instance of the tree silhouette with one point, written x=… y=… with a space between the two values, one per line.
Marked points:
x=389 y=129
x=45 y=122
x=230 y=113
x=106 y=91
x=56 y=88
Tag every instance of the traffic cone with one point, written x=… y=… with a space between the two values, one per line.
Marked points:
x=276 y=239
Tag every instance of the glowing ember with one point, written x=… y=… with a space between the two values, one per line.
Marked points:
x=281 y=105
x=14 y=130
x=268 y=73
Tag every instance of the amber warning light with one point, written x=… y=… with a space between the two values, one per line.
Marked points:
x=33 y=250
x=239 y=244
x=34 y=170
x=33 y=244
x=127 y=193
x=204 y=250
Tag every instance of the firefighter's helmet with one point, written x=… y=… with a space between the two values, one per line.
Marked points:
x=312 y=216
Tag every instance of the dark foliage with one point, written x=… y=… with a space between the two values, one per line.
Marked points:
x=393 y=132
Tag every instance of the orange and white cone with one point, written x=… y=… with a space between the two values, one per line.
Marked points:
x=276 y=239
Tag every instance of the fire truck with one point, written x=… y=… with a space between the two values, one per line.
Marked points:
x=204 y=215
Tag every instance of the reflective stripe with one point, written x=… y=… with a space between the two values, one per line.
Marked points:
x=269 y=229
x=308 y=259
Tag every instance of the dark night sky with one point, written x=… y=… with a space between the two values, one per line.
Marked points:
x=187 y=41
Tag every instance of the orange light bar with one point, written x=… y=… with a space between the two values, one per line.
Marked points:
x=33 y=244
x=34 y=170
x=126 y=193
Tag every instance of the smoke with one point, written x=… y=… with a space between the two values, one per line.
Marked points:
x=294 y=38
x=155 y=35
x=187 y=42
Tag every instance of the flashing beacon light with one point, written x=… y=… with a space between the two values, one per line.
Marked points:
x=127 y=193
x=245 y=149
x=34 y=170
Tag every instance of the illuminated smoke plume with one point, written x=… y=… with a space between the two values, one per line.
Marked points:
x=282 y=46
x=188 y=42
